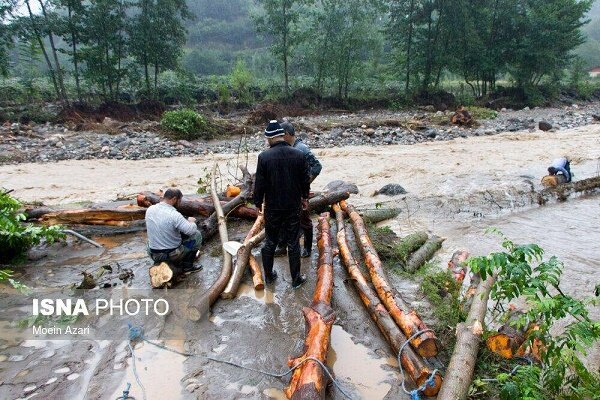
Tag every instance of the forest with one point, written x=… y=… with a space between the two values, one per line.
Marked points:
x=398 y=51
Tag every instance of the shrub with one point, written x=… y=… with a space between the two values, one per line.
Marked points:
x=482 y=113
x=186 y=124
x=15 y=237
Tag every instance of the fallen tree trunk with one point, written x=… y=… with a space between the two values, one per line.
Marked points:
x=563 y=191
x=412 y=363
x=308 y=380
x=193 y=207
x=423 y=254
x=254 y=236
x=200 y=306
x=91 y=216
x=323 y=200
x=427 y=345
x=468 y=335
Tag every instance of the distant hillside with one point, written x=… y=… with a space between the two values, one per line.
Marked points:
x=590 y=50
x=221 y=32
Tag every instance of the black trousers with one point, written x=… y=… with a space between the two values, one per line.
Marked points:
x=306 y=229
x=285 y=224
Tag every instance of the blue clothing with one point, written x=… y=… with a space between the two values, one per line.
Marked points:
x=562 y=165
x=314 y=166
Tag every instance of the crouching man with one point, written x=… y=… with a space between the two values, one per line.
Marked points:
x=171 y=237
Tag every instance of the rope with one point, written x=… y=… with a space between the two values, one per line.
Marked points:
x=137 y=333
x=414 y=394
x=137 y=378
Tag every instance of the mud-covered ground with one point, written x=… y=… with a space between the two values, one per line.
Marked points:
x=144 y=140
x=455 y=189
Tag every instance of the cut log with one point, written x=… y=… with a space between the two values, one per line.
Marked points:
x=160 y=275
x=257 y=278
x=458 y=265
x=409 y=244
x=376 y=215
x=308 y=381
x=193 y=207
x=199 y=305
x=509 y=341
x=468 y=336
x=254 y=237
x=113 y=217
x=424 y=254
x=427 y=345
x=324 y=200
x=412 y=363
x=553 y=180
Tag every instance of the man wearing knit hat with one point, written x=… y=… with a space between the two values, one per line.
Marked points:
x=281 y=186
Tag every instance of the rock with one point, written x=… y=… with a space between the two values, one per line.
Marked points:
x=105 y=149
x=336 y=186
x=545 y=126
x=526 y=109
x=369 y=132
x=391 y=189
x=429 y=108
x=575 y=106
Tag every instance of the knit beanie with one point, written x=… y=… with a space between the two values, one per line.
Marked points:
x=273 y=129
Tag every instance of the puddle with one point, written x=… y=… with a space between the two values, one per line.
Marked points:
x=367 y=376
x=265 y=296
x=160 y=372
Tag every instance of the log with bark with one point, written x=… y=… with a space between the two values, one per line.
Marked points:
x=458 y=265
x=199 y=305
x=427 y=345
x=409 y=244
x=308 y=381
x=423 y=254
x=121 y=216
x=376 y=215
x=412 y=363
x=509 y=341
x=254 y=237
x=323 y=200
x=257 y=277
x=197 y=206
x=468 y=336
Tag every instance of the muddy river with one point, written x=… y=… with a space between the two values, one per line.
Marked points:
x=455 y=189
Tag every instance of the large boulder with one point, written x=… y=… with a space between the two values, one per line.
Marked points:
x=391 y=189
x=545 y=126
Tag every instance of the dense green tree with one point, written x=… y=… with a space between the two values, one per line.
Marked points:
x=70 y=28
x=157 y=35
x=279 y=21
x=105 y=40
x=548 y=31
x=6 y=40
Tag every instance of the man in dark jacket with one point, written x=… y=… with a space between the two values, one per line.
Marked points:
x=281 y=187
x=314 y=169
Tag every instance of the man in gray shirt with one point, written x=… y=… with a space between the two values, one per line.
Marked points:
x=170 y=236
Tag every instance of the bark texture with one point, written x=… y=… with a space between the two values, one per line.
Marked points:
x=308 y=381
x=427 y=345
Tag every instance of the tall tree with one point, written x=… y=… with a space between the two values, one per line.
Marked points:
x=157 y=35
x=70 y=30
x=279 y=21
x=548 y=31
x=105 y=49
x=6 y=40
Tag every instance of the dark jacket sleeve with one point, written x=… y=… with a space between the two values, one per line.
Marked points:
x=305 y=180
x=314 y=166
x=259 y=183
